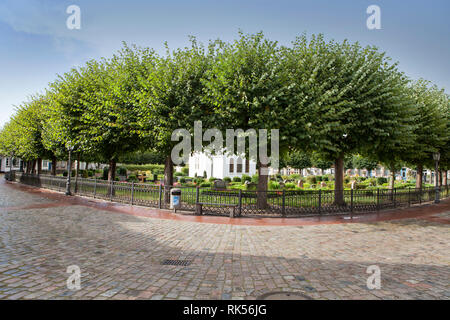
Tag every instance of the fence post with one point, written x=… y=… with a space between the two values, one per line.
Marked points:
x=160 y=196
x=197 y=195
x=395 y=197
x=320 y=201
x=409 y=196
x=132 y=193
x=283 y=209
x=111 y=186
x=378 y=199
x=351 y=203
x=240 y=202
x=420 y=195
x=95 y=187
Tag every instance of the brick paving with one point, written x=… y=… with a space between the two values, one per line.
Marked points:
x=120 y=255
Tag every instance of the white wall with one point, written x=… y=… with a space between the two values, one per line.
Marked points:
x=217 y=166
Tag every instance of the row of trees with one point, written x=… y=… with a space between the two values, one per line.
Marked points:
x=328 y=99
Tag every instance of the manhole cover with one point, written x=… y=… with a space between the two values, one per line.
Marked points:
x=168 y=262
x=284 y=296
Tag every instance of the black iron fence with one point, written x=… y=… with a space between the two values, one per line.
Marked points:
x=286 y=203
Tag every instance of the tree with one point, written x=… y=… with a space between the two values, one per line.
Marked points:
x=172 y=98
x=298 y=160
x=348 y=96
x=249 y=89
x=430 y=131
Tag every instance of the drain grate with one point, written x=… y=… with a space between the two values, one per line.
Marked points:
x=183 y=263
x=284 y=296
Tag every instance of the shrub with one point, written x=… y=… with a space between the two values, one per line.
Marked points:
x=182 y=180
x=246 y=178
x=255 y=178
x=227 y=179
x=91 y=173
x=64 y=173
x=381 y=181
x=294 y=176
x=132 y=178
x=155 y=168
x=105 y=173
x=121 y=171
x=273 y=185
x=185 y=171
x=325 y=178
x=212 y=179
x=290 y=185
x=236 y=179
x=177 y=174
x=318 y=178
x=205 y=184
x=311 y=179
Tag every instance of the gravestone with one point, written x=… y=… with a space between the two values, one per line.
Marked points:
x=300 y=184
x=219 y=185
x=323 y=184
x=353 y=185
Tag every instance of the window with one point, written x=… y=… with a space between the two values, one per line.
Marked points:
x=239 y=165
x=7 y=162
x=231 y=166
x=247 y=166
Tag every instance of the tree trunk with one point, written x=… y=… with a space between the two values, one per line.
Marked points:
x=112 y=170
x=39 y=166
x=111 y=176
x=77 y=170
x=419 y=176
x=53 y=166
x=392 y=179
x=444 y=178
x=339 y=181
x=33 y=167
x=168 y=178
x=440 y=178
x=261 y=200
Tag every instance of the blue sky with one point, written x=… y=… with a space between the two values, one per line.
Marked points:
x=35 y=44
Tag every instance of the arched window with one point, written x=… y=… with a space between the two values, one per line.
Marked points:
x=231 y=165
x=239 y=165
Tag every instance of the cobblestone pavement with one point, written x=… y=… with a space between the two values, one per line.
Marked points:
x=120 y=256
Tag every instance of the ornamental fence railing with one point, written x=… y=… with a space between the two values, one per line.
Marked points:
x=286 y=203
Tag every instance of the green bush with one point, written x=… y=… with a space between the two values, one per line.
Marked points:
x=91 y=173
x=325 y=178
x=212 y=179
x=227 y=179
x=311 y=179
x=236 y=179
x=132 y=178
x=294 y=176
x=381 y=181
x=255 y=178
x=246 y=178
x=182 y=180
x=185 y=171
x=318 y=178
x=105 y=173
x=205 y=184
x=177 y=174
x=273 y=185
x=121 y=171
x=154 y=168
x=290 y=185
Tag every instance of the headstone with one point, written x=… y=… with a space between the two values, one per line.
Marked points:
x=300 y=184
x=323 y=184
x=353 y=185
x=219 y=185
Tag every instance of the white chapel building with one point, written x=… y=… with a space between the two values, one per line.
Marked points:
x=220 y=166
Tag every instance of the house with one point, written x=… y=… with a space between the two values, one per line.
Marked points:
x=220 y=166
x=5 y=164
